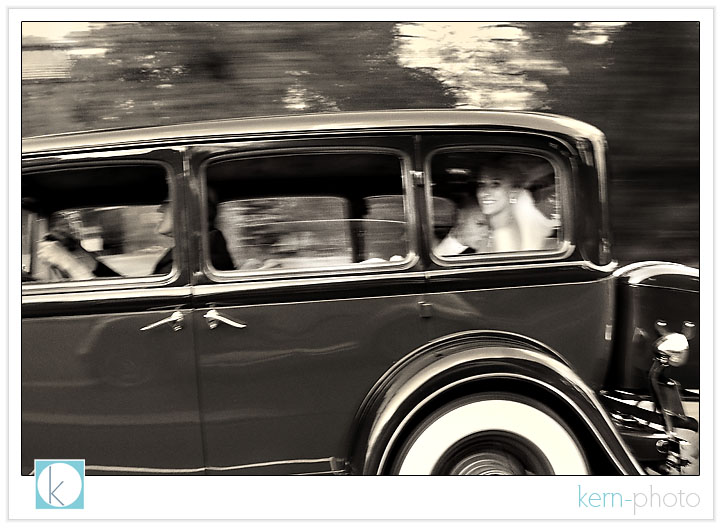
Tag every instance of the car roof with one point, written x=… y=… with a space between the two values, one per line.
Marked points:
x=308 y=123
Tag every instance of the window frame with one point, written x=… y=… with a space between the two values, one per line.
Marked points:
x=111 y=283
x=405 y=165
x=563 y=181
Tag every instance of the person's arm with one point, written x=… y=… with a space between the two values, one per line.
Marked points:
x=101 y=270
x=54 y=254
x=469 y=235
x=450 y=246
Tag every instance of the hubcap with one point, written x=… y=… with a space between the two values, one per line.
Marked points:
x=493 y=453
x=489 y=463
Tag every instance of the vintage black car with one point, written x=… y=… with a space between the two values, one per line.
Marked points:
x=401 y=292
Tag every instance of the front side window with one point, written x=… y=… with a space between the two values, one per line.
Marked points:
x=96 y=223
x=493 y=203
x=308 y=211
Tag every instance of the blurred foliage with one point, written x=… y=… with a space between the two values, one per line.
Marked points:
x=638 y=82
x=156 y=73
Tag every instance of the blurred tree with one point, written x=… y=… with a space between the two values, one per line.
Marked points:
x=638 y=82
x=154 y=73
x=641 y=86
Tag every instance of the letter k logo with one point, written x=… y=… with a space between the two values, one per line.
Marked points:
x=59 y=484
x=51 y=491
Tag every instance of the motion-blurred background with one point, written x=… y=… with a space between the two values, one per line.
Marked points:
x=637 y=81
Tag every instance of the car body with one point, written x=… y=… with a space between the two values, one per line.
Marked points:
x=340 y=336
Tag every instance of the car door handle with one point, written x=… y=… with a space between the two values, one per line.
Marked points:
x=175 y=320
x=213 y=318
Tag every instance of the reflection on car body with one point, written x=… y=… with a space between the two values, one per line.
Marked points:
x=389 y=302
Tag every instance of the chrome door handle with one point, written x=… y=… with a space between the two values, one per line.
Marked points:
x=175 y=320
x=213 y=318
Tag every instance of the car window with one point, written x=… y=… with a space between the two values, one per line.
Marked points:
x=26 y=221
x=287 y=232
x=94 y=223
x=490 y=203
x=309 y=211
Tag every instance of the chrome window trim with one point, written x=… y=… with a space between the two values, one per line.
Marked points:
x=410 y=261
x=563 y=251
x=107 y=153
x=105 y=285
x=110 y=283
x=107 y=295
x=524 y=266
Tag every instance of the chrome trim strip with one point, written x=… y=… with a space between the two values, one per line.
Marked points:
x=274 y=463
x=641 y=271
x=339 y=122
x=331 y=472
x=210 y=289
x=599 y=144
x=108 y=154
x=98 y=284
x=564 y=250
x=508 y=266
x=251 y=286
x=131 y=469
x=127 y=469
x=447 y=292
x=636 y=265
x=228 y=276
x=279 y=283
x=607 y=268
x=451 y=361
x=74 y=296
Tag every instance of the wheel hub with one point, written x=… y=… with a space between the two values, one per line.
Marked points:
x=489 y=463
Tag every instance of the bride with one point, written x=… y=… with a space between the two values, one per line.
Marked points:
x=502 y=218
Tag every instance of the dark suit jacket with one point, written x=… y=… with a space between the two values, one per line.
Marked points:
x=220 y=258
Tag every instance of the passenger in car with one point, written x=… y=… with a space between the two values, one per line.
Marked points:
x=501 y=217
x=66 y=259
x=220 y=257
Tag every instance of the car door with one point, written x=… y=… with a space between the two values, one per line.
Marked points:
x=108 y=366
x=321 y=298
x=509 y=254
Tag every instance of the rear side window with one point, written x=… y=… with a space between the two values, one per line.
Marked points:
x=288 y=232
x=308 y=211
x=494 y=203
x=90 y=223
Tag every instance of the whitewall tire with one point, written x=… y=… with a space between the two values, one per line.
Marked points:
x=493 y=434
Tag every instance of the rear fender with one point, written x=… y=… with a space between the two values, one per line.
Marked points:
x=648 y=292
x=471 y=362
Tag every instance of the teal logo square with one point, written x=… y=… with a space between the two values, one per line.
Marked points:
x=59 y=484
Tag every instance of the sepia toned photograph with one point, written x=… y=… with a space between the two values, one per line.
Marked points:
x=360 y=248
